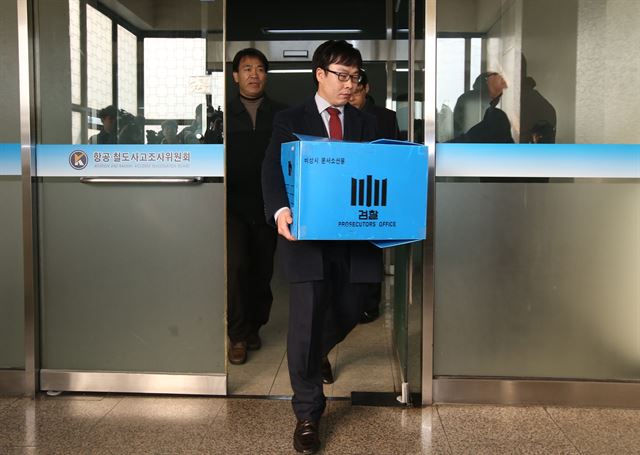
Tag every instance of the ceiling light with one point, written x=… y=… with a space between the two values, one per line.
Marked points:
x=317 y=30
x=289 y=71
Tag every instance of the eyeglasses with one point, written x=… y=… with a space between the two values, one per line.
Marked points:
x=344 y=77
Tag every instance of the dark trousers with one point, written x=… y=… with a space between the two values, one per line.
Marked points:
x=249 y=270
x=321 y=314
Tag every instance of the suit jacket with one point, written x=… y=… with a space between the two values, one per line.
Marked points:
x=245 y=152
x=303 y=260
x=494 y=128
x=386 y=121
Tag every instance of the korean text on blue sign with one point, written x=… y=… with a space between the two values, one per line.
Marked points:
x=157 y=160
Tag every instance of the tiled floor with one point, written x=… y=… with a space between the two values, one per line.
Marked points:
x=363 y=362
x=111 y=424
x=116 y=424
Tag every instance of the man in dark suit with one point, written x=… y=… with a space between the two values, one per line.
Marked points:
x=386 y=128
x=251 y=242
x=326 y=277
x=386 y=120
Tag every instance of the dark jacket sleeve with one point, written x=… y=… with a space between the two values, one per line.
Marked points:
x=273 y=189
x=369 y=127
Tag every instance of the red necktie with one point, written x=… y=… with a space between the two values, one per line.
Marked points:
x=335 y=126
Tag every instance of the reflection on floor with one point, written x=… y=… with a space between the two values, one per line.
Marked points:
x=363 y=362
x=113 y=424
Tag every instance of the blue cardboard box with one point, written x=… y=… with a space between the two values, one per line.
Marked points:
x=356 y=191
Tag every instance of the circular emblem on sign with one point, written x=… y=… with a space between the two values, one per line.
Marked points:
x=78 y=160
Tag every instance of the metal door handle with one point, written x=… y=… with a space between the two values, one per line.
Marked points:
x=172 y=180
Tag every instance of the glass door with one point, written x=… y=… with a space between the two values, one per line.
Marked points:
x=538 y=214
x=408 y=259
x=131 y=197
x=12 y=327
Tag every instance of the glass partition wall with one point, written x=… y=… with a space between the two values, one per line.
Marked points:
x=537 y=262
x=131 y=196
x=409 y=260
x=12 y=308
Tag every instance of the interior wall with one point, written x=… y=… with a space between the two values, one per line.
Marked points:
x=215 y=51
x=502 y=55
x=187 y=15
x=138 y=12
x=549 y=43
x=457 y=16
x=53 y=73
x=488 y=12
x=169 y=15
x=608 y=71
x=9 y=75
x=545 y=33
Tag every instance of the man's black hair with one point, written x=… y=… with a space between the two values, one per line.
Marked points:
x=249 y=52
x=109 y=111
x=336 y=52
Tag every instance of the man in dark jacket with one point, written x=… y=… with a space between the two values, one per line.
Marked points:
x=471 y=106
x=109 y=132
x=386 y=128
x=324 y=276
x=251 y=242
x=386 y=119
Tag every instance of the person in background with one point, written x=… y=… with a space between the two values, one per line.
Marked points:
x=538 y=119
x=543 y=133
x=494 y=128
x=477 y=119
x=471 y=106
x=170 y=132
x=324 y=276
x=108 y=133
x=386 y=128
x=386 y=119
x=192 y=134
x=251 y=241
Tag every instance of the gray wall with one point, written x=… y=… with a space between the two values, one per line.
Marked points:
x=169 y=14
x=608 y=72
x=502 y=55
x=54 y=73
x=489 y=12
x=582 y=56
x=11 y=274
x=457 y=16
x=9 y=89
x=132 y=277
x=537 y=280
x=549 y=31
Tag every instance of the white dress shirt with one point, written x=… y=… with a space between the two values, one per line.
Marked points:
x=322 y=109
x=322 y=106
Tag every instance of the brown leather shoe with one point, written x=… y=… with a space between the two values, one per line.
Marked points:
x=327 y=374
x=254 y=342
x=306 y=438
x=237 y=352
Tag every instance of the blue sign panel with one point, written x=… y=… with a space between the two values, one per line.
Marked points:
x=10 y=159
x=538 y=160
x=157 y=160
